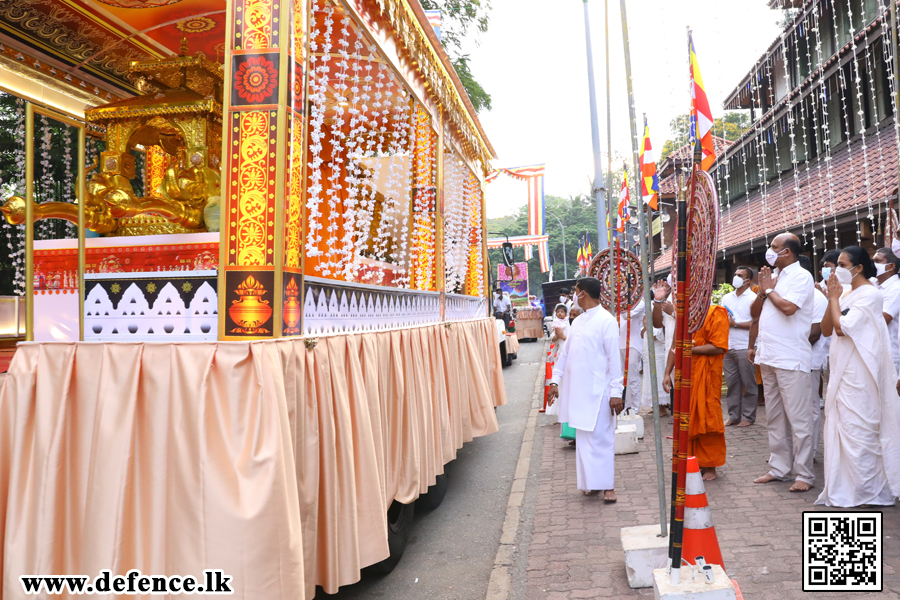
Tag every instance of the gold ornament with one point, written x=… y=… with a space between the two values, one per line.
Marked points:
x=250 y=313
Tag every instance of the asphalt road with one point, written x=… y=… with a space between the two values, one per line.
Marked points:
x=451 y=549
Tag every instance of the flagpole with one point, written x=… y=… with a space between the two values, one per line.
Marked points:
x=597 y=185
x=645 y=272
x=610 y=208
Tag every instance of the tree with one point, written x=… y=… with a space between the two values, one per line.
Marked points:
x=463 y=20
x=730 y=127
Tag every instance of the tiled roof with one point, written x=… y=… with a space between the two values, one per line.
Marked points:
x=788 y=209
x=687 y=151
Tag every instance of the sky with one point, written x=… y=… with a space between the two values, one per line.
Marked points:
x=533 y=62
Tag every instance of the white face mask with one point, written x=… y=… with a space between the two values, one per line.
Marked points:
x=844 y=276
x=772 y=256
x=826 y=273
x=563 y=299
x=880 y=269
x=895 y=245
x=669 y=280
x=575 y=302
x=737 y=282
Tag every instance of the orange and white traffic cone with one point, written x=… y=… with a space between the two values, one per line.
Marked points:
x=548 y=375
x=699 y=533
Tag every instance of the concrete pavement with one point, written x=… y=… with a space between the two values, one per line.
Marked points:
x=571 y=547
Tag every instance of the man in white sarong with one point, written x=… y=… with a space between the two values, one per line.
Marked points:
x=587 y=379
x=862 y=410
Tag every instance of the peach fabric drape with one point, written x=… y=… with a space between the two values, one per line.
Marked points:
x=530 y=324
x=271 y=461
x=512 y=343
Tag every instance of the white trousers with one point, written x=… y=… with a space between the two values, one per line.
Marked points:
x=595 y=453
x=632 y=397
x=790 y=424
x=646 y=390
x=815 y=376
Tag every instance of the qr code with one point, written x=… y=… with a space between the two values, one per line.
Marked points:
x=842 y=551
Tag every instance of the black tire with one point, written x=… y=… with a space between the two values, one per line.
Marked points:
x=399 y=524
x=435 y=494
x=505 y=358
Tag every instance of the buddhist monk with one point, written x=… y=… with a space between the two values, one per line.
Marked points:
x=706 y=435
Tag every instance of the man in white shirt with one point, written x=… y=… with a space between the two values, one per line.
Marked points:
x=502 y=307
x=740 y=373
x=887 y=264
x=587 y=379
x=634 y=345
x=785 y=310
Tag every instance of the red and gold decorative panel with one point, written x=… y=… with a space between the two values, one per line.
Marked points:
x=293 y=209
x=263 y=170
x=255 y=79
x=251 y=189
x=250 y=302
x=256 y=24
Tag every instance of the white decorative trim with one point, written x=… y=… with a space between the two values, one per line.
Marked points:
x=167 y=320
x=463 y=308
x=331 y=310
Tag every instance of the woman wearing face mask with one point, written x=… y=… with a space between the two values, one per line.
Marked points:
x=862 y=413
x=887 y=265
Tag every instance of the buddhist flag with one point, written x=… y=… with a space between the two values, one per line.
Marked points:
x=649 y=179
x=580 y=260
x=701 y=115
x=623 y=202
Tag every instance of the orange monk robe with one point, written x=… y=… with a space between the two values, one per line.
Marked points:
x=706 y=435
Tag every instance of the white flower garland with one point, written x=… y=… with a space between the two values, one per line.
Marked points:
x=473 y=210
x=318 y=84
x=367 y=126
x=455 y=245
x=15 y=235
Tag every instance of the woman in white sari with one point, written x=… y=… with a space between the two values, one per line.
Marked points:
x=559 y=333
x=862 y=408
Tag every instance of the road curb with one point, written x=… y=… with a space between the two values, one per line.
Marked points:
x=499 y=583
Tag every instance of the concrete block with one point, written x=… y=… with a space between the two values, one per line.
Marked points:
x=636 y=420
x=693 y=589
x=644 y=552
x=626 y=439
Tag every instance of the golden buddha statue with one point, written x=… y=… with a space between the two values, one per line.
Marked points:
x=177 y=121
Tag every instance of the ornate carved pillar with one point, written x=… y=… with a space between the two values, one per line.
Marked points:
x=262 y=165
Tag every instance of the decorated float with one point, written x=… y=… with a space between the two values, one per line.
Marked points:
x=256 y=289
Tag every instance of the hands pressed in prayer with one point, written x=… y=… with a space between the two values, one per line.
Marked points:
x=834 y=289
x=616 y=405
x=766 y=281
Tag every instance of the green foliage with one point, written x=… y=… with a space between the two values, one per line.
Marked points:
x=463 y=20
x=730 y=127
x=480 y=98
x=578 y=215
x=720 y=292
